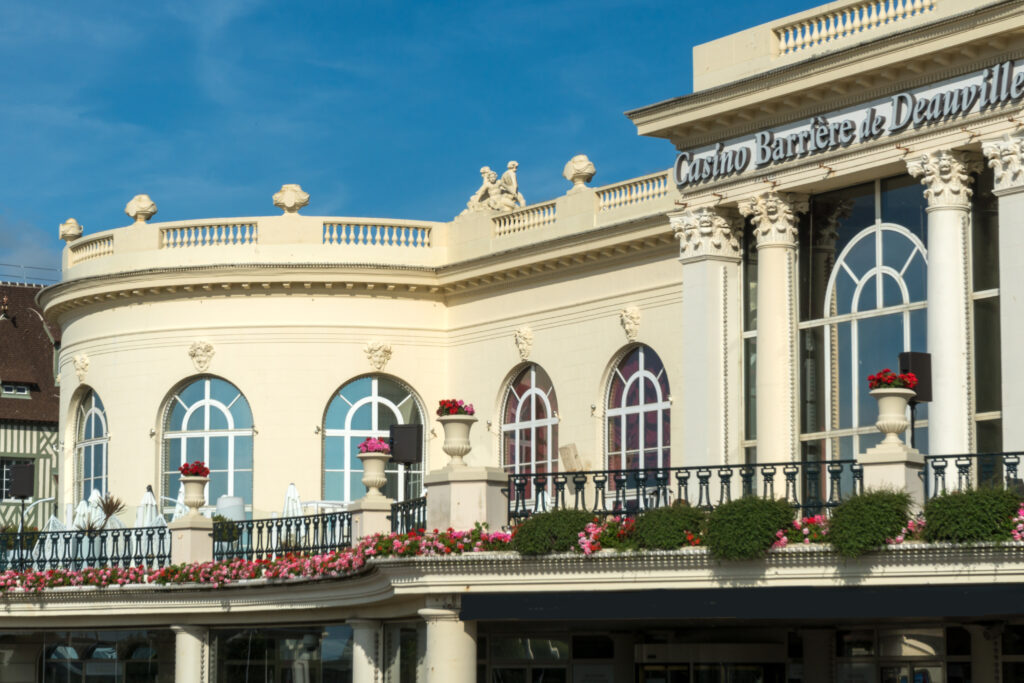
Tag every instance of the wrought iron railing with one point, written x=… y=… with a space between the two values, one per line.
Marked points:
x=409 y=515
x=813 y=487
x=77 y=549
x=961 y=472
x=257 y=539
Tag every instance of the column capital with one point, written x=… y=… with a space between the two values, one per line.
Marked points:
x=707 y=233
x=946 y=177
x=434 y=614
x=774 y=217
x=826 y=232
x=1005 y=156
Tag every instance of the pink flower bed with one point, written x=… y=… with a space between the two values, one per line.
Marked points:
x=221 y=573
x=807 y=530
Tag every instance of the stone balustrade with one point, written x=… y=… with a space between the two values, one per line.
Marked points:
x=845 y=21
x=293 y=239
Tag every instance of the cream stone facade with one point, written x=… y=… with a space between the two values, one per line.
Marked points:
x=846 y=187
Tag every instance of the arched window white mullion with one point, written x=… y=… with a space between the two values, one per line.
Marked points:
x=526 y=429
x=91 y=447
x=650 y=398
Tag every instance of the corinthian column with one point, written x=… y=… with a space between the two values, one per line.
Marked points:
x=774 y=219
x=946 y=178
x=709 y=251
x=1006 y=158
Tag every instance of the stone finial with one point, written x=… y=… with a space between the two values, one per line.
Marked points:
x=70 y=230
x=523 y=339
x=201 y=352
x=1005 y=157
x=706 y=232
x=141 y=208
x=578 y=170
x=378 y=353
x=774 y=216
x=629 y=318
x=290 y=198
x=946 y=177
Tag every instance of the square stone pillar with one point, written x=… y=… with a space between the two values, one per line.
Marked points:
x=1006 y=157
x=459 y=497
x=191 y=539
x=709 y=252
x=370 y=515
x=890 y=466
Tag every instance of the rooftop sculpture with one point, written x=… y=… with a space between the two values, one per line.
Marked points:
x=497 y=194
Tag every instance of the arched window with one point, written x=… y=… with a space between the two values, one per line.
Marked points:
x=529 y=426
x=637 y=413
x=210 y=420
x=367 y=407
x=91 y=437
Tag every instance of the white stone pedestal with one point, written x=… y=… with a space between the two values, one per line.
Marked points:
x=459 y=497
x=895 y=466
x=191 y=539
x=370 y=516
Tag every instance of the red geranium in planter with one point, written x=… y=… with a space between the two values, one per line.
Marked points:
x=194 y=469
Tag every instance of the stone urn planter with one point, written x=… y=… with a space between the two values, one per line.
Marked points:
x=195 y=493
x=373 y=472
x=892 y=412
x=456 y=437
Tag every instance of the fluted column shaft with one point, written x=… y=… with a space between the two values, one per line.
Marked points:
x=775 y=226
x=946 y=178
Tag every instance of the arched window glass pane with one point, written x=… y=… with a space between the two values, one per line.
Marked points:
x=91 y=445
x=367 y=407
x=637 y=419
x=203 y=424
x=530 y=428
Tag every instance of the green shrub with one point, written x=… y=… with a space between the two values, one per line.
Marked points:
x=864 y=522
x=665 y=528
x=745 y=529
x=970 y=516
x=550 y=532
x=227 y=533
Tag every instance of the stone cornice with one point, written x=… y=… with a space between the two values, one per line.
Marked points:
x=398 y=587
x=796 y=99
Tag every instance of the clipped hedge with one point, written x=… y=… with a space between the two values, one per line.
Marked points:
x=550 y=532
x=665 y=528
x=863 y=522
x=745 y=529
x=971 y=516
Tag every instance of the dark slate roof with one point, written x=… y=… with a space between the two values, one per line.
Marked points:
x=26 y=356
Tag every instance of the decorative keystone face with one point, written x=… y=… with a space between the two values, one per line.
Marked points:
x=70 y=230
x=629 y=318
x=946 y=177
x=141 y=208
x=524 y=341
x=291 y=198
x=81 y=366
x=201 y=353
x=378 y=353
x=1004 y=158
x=774 y=216
x=579 y=170
x=706 y=232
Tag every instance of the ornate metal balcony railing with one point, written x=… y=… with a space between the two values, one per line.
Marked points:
x=42 y=550
x=408 y=515
x=813 y=487
x=258 y=539
x=968 y=470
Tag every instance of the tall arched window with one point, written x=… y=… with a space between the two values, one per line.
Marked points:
x=529 y=424
x=367 y=407
x=210 y=420
x=637 y=413
x=91 y=437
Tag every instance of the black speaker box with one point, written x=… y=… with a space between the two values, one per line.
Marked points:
x=22 y=480
x=920 y=364
x=406 y=444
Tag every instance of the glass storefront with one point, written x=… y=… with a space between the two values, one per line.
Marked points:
x=121 y=656
x=299 y=654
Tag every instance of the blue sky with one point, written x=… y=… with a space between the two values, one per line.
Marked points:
x=377 y=109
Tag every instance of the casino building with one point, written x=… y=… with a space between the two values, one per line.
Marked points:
x=847 y=186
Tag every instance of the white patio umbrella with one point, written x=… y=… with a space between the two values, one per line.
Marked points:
x=292 y=502
x=148 y=511
x=54 y=524
x=95 y=509
x=81 y=518
x=180 y=509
